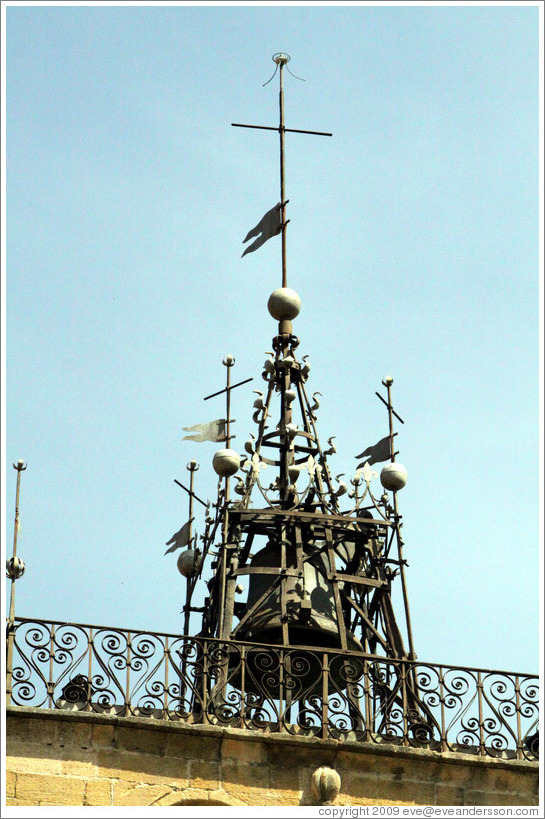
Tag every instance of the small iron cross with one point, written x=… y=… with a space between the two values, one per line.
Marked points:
x=228 y=362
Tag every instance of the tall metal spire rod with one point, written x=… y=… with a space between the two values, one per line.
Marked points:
x=281 y=60
x=391 y=412
x=14 y=569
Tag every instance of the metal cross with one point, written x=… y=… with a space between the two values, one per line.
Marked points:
x=388 y=384
x=281 y=60
x=228 y=362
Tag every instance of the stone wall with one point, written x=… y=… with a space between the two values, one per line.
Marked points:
x=78 y=758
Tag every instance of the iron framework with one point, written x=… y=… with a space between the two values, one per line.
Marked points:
x=318 y=693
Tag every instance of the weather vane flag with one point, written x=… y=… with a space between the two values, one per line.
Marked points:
x=269 y=226
x=212 y=431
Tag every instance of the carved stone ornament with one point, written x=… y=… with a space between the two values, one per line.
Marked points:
x=325 y=785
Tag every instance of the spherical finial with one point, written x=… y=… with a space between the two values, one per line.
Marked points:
x=393 y=476
x=388 y=381
x=188 y=563
x=229 y=360
x=15 y=568
x=226 y=462
x=284 y=303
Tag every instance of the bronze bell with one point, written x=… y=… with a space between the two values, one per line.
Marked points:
x=310 y=614
x=310 y=605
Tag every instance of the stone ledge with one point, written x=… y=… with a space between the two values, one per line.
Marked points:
x=329 y=747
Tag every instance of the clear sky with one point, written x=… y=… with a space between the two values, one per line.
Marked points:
x=413 y=243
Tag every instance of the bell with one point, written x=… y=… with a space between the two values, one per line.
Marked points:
x=310 y=614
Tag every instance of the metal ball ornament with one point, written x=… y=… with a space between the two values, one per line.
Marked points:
x=15 y=568
x=188 y=563
x=226 y=462
x=393 y=477
x=284 y=304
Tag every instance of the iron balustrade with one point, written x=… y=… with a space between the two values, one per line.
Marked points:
x=308 y=692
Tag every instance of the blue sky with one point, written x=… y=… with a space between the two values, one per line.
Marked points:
x=413 y=243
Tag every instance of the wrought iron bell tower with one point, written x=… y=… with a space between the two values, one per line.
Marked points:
x=320 y=576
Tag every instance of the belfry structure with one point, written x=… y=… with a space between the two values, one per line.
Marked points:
x=320 y=557
x=294 y=680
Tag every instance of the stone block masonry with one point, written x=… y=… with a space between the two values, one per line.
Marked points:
x=83 y=759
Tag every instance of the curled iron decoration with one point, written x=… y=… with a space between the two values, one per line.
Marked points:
x=64 y=644
x=76 y=692
x=310 y=715
x=151 y=701
x=424 y=697
x=70 y=648
x=63 y=647
x=263 y=668
x=29 y=682
x=302 y=690
x=529 y=713
x=387 y=702
x=52 y=655
x=530 y=743
x=226 y=707
x=224 y=702
x=460 y=702
x=24 y=691
x=427 y=683
x=344 y=715
x=346 y=704
x=419 y=729
x=257 y=715
x=148 y=655
x=259 y=687
x=348 y=671
x=303 y=673
x=529 y=692
x=109 y=656
x=218 y=654
x=114 y=645
x=184 y=662
x=499 y=696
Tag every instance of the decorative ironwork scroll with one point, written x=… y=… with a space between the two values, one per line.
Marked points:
x=346 y=696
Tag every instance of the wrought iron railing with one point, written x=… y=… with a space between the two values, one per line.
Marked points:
x=328 y=694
